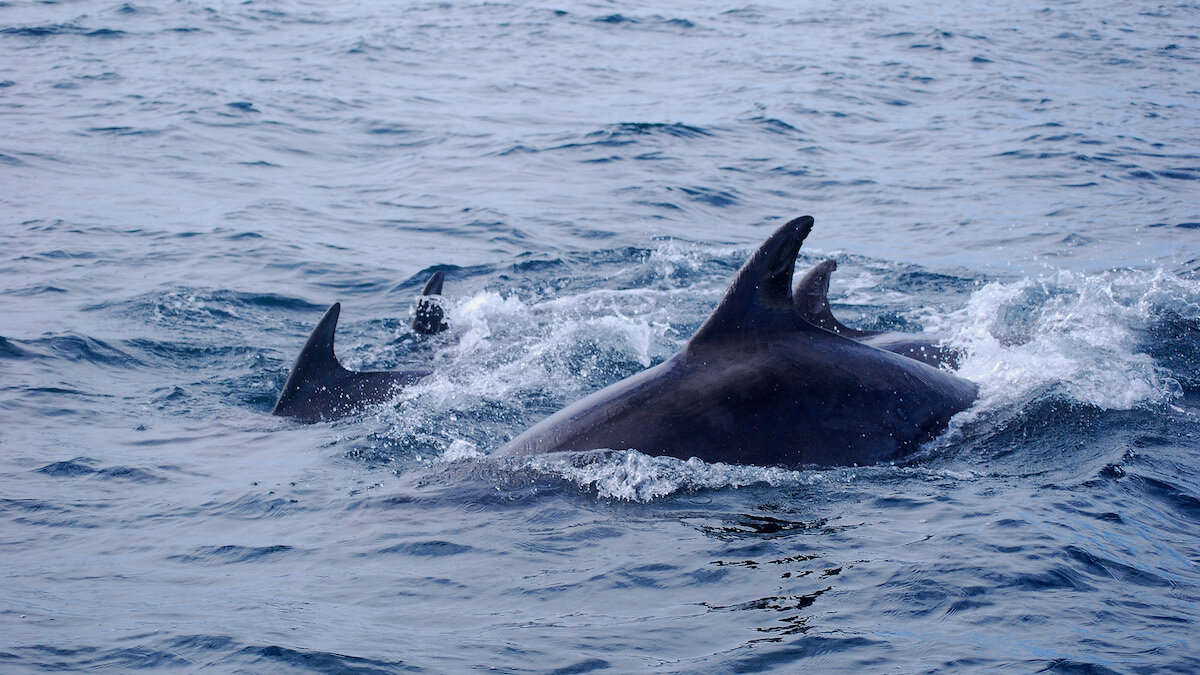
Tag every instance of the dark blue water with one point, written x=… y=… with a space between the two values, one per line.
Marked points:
x=186 y=186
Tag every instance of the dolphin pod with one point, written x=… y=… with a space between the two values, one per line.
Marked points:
x=770 y=378
x=319 y=388
x=758 y=383
x=811 y=296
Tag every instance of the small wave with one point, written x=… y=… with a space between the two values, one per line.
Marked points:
x=66 y=346
x=80 y=466
x=436 y=549
x=1174 y=498
x=206 y=307
x=85 y=466
x=670 y=129
x=278 y=657
x=710 y=196
x=775 y=126
x=9 y=349
x=194 y=652
x=615 y=19
x=40 y=31
x=130 y=473
x=247 y=507
x=633 y=476
x=61 y=29
x=230 y=554
x=516 y=360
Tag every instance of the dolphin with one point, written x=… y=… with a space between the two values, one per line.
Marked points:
x=811 y=295
x=320 y=389
x=429 y=315
x=758 y=384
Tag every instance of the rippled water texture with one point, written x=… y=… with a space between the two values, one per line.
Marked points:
x=185 y=187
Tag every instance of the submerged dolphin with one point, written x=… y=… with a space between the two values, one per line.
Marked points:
x=757 y=384
x=320 y=389
x=428 y=316
x=811 y=295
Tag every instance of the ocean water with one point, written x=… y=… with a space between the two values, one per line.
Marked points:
x=186 y=186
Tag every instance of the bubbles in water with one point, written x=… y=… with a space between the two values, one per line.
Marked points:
x=512 y=357
x=460 y=450
x=1070 y=332
x=633 y=476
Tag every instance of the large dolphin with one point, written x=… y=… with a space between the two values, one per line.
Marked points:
x=319 y=388
x=811 y=295
x=757 y=384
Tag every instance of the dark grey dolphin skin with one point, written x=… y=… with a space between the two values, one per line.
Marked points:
x=757 y=384
x=320 y=389
x=429 y=316
x=811 y=295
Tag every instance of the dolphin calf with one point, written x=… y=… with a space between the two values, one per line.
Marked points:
x=320 y=389
x=758 y=384
x=428 y=318
x=811 y=296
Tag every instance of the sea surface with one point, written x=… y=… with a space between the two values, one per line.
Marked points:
x=185 y=187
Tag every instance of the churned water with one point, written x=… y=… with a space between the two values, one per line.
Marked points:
x=186 y=186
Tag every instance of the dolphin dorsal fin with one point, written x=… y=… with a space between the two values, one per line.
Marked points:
x=316 y=362
x=811 y=295
x=760 y=297
x=317 y=358
x=434 y=285
x=429 y=314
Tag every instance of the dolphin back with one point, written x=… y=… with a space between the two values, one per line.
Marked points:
x=758 y=384
x=811 y=298
x=319 y=388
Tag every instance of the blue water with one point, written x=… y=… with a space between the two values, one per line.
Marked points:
x=186 y=186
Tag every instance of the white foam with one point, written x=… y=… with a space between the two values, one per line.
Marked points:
x=460 y=450
x=506 y=345
x=1069 y=332
x=633 y=476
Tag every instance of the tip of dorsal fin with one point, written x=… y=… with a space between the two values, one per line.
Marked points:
x=811 y=296
x=811 y=292
x=317 y=358
x=434 y=285
x=760 y=297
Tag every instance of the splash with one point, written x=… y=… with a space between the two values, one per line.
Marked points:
x=1071 y=333
x=460 y=450
x=513 y=357
x=632 y=476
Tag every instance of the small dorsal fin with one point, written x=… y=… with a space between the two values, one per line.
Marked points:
x=428 y=316
x=811 y=296
x=434 y=285
x=760 y=297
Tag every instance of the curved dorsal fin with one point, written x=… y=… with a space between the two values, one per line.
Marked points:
x=428 y=316
x=811 y=296
x=316 y=360
x=434 y=285
x=760 y=297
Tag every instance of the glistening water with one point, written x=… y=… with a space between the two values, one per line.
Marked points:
x=186 y=186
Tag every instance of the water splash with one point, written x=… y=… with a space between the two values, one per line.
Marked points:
x=632 y=476
x=1080 y=335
